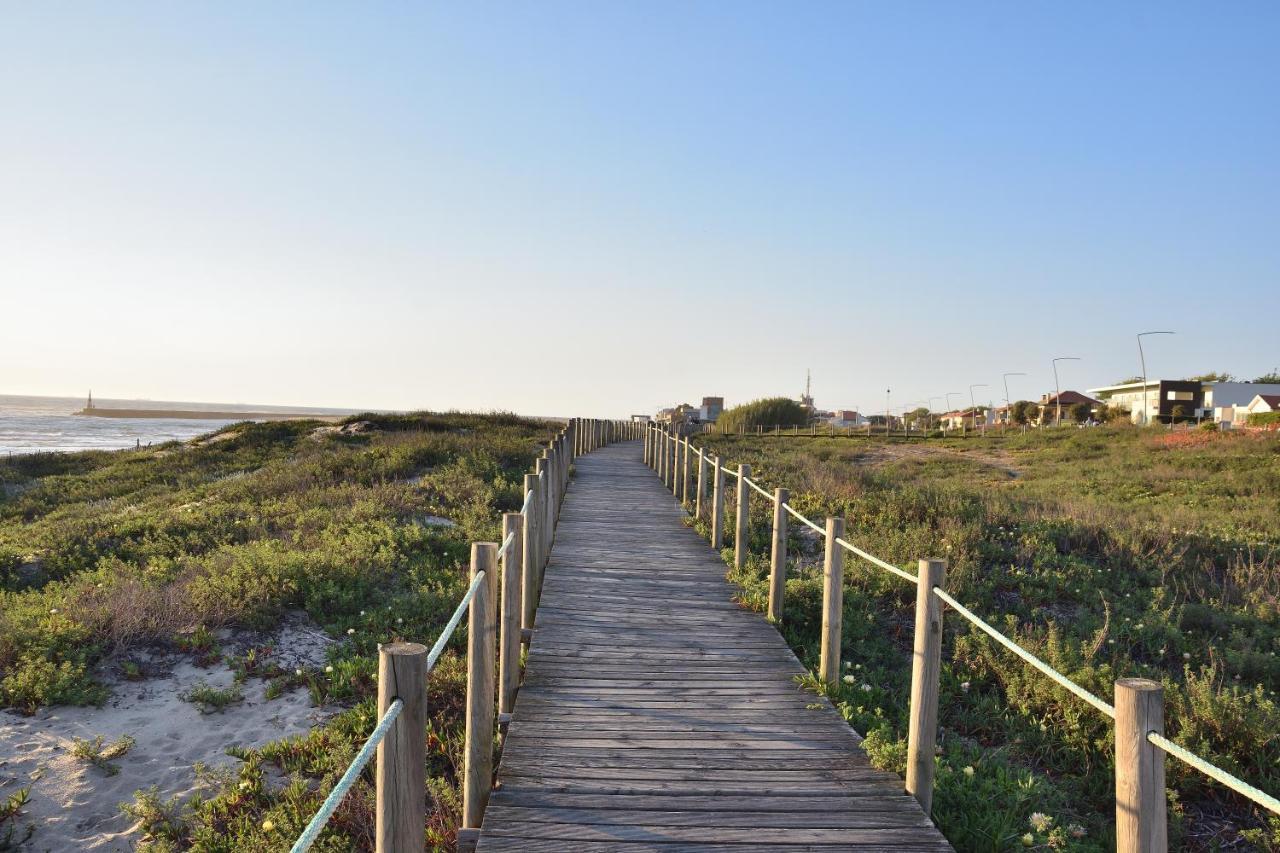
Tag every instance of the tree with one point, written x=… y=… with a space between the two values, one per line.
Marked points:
x=1213 y=376
x=772 y=411
x=1079 y=412
x=1272 y=378
x=1130 y=380
x=1023 y=412
x=1179 y=411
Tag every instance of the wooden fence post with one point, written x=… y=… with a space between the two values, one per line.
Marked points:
x=509 y=637
x=685 y=472
x=743 y=518
x=832 y=603
x=700 y=498
x=675 y=464
x=926 y=665
x=401 y=773
x=778 y=556
x=543 y=501
x=1141 y=811
x=646 y=447
x=529 y=556
x=664 y=456
x=717 y=506
x=482 y=629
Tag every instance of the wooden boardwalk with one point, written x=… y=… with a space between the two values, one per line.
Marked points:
x=657 y=715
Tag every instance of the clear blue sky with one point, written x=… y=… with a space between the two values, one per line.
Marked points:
x=602 y=207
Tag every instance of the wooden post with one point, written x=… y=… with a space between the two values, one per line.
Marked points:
x=778 y=556
x=509 y=638
x=700 y=499
x=717 y=506
x=685 y=472
x=664 y=456
x=675 y=464
x=543 y=498
x=1141 y=812
x=743 y=518
x=926 y=664
x=646 y=447
x=529 y=557
x=402 y=756
x=832 y=603
x=482 y=630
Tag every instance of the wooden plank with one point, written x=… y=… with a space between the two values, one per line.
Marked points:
x=658 y=714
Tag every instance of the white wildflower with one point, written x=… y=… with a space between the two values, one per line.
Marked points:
x=1041 y=822
x=849 y=679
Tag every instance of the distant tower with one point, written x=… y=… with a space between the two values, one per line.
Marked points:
x=90 y=406
x=806 y=399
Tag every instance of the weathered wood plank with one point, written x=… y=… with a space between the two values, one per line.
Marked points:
x=657 y=714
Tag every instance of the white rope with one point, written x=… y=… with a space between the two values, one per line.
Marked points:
x=330 y=804
x=452 y=625
x=506 y=543
x=1052 y=673
x=728 y=471
x=789 y=509
x=528 y=498
x=889 y=567
x=1241 y=787
x=753 y=485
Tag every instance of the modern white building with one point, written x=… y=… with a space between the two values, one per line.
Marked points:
x=1166 y=399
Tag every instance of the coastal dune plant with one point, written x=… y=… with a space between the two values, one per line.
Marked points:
x=768 y=412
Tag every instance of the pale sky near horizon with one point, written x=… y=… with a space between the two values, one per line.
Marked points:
x=601 y=208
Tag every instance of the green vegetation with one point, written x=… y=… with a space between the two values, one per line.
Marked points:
x=101 y=754
x=1262 y=419
x=769 y=412
x=1108 y=552
x=10 y=807
x=101 y=553
x=212 y=699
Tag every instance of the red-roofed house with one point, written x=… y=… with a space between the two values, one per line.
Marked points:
x=1049 y=404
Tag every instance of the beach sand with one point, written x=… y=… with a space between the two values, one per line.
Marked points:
x=76 y=806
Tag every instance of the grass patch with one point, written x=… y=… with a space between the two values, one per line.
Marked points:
x=101 y=754
x=103 y=553
x=1108 y=552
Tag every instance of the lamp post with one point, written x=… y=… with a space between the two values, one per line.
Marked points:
x=1008 y=404
x=974 y=406
x=1057 y=391
x=951 y=394
x=887 y=416
x=1142 y=357
x=930 y=419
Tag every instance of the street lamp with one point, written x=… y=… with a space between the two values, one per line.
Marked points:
x=951 y=394
x=974 y=406
x=1057 y=391
x=1008 y=404
x=887 y=415
x=930 y=419
x=1143 y=359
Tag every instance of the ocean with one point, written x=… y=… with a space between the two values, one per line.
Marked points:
x=36 y=424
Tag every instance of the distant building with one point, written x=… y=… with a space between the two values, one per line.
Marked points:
x=1239 y=415
x=841 y=418
x=966 y=418
x=709 y=411
x=806 y=399
x=1156 y=399
x=1222 y=399
x=1049 y=404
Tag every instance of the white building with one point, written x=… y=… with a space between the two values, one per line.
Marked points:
x=1222 y=400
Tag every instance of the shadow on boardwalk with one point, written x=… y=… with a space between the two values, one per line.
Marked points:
x=657 y=715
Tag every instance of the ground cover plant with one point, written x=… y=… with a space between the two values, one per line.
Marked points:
x=1109 y=552
x=364 y=525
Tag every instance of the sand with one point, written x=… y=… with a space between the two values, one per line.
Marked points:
x=76 y=806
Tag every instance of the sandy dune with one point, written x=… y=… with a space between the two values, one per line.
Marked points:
x=76 y=806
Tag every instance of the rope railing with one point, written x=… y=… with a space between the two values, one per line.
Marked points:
x=523 y=554
x=331 y=802
x=1048 y=671
x=1135 y=796
x=452 y=625
x=753 y=484
x=1241 y=787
